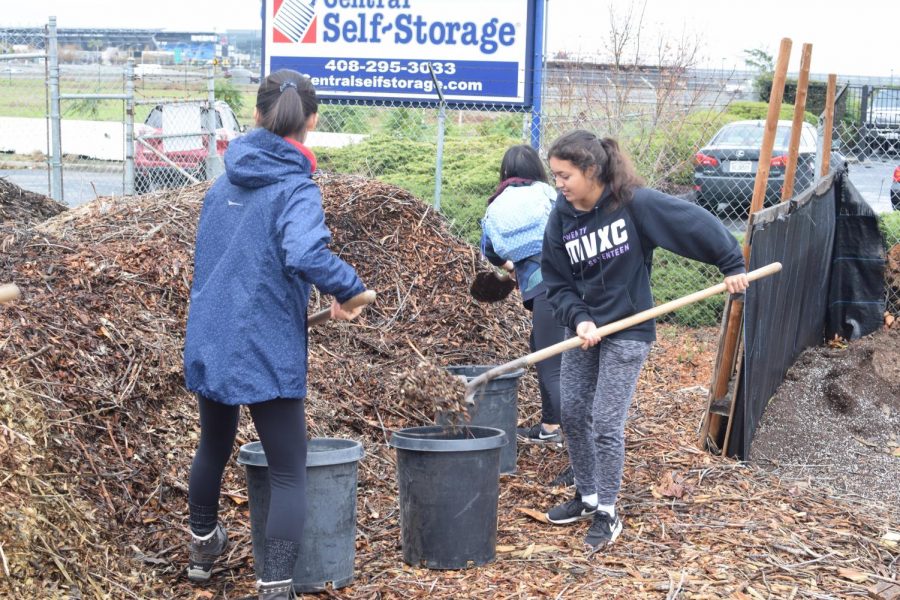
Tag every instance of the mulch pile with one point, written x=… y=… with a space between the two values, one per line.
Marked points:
x=97 y=432
x=21 y=206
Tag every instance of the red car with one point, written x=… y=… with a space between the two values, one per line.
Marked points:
x=170 y=148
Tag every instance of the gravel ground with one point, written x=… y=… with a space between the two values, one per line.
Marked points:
x=835 y=421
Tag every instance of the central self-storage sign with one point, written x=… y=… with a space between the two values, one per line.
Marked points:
x=479 y=51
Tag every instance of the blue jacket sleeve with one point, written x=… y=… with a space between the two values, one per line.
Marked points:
x=686 y=229
x=562 y=292
x=487 y=249
x=304 y=244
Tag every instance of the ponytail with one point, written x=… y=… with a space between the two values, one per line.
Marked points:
x=284 y=102
x=612 y=167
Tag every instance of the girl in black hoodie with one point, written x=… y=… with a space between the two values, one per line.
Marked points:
x=596 y=259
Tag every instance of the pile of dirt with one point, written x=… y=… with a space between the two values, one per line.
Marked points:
x=97 y=431
x=836 y=420
x=892 y=279
x=24 y=207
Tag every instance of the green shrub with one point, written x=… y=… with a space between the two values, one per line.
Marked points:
x=225 y=90
x=759 y=110
x=470 y=172
x=674 y=276
x=815 y=92
x=344 y=118
x=889 y=224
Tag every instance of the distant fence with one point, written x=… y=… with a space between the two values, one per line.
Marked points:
x=662 y=116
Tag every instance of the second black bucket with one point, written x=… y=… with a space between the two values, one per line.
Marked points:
x=328 y=549
x=495 y=406
x=449 y=484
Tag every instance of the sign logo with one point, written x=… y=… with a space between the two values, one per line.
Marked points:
x=294 y=21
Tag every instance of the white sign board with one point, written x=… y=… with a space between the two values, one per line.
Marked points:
x=479 y=51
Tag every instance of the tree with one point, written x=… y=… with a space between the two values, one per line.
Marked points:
x=759 y=59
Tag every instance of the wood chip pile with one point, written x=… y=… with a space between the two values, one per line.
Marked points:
x=97 y=432
x=21 y=206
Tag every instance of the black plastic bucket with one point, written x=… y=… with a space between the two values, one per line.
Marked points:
x=449 y=486
x=328 y=548
x=495 y=406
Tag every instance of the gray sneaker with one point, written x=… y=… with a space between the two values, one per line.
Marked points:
x=276 y=590
x=571 y=511
x=537 y=435
x=603 y=532
x=203 y=553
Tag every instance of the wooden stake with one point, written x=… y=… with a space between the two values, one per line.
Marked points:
x=729 y=339
x=829 y=124
x=787 y=191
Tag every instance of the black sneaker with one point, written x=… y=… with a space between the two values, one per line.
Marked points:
x=566 y=478
x=571 y=511
x=603 y=531
x=536 y=435
x=203 y=553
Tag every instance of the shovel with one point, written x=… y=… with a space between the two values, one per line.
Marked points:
x=361 y=299
x=491 y=286
x=8 y=292
x=575 y=342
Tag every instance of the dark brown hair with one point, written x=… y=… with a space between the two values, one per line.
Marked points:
x=612 y=167
x=522 y=161
x=285 y=101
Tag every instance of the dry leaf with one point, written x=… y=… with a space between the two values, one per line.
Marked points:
x=534 y=514
x=852 y=575
x=239 y=500
x=505 y=548
x=668 y=487
x=890 y=539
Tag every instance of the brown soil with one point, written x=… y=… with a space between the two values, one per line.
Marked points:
x=835 y=421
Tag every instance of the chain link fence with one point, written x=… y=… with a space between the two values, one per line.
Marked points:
x=24 y=140
x=692 y=133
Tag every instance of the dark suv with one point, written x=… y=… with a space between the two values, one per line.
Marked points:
x=170 y=148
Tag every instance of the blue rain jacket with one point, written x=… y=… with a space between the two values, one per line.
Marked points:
x=261 y=243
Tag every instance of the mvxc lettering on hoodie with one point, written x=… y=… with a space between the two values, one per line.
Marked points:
x=601 y=244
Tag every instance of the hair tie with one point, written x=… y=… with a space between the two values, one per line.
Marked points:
x=286 y=84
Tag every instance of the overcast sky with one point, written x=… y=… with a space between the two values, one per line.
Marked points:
x=847 y=39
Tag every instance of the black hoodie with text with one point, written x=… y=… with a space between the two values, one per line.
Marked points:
x=596 y=263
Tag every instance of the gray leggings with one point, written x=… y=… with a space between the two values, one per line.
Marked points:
x=597 y=385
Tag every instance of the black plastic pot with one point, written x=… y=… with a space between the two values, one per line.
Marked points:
x=495 y=406
x=449 y=486
x=328 y=548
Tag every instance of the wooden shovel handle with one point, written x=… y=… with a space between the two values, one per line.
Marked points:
x=8 y=292
x=646 y=315
x=361 y=299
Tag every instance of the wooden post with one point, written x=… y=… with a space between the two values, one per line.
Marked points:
x=829 y=124
x=787 y=191
x=733 y=319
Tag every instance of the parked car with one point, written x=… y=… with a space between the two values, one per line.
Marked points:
x=242 y=75
x=882 y=126
x=725 y=168
x=895 y=189
x=171 y=145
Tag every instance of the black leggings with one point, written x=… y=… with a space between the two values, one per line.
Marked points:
x=281 y=425
x=545 y=331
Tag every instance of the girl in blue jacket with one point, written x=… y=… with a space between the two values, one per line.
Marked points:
x=261 y=244
x=597 y=251
x=512 y=234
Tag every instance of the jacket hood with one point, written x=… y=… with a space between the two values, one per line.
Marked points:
x=261 y=158
x=565 y=207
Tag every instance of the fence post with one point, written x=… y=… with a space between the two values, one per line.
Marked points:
x=56 y=185
x=538 y=75
x=213 y=160
x=439 y=168
x=129 y=127
x=787 y=191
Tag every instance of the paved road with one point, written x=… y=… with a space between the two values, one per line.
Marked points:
x=78 y=186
